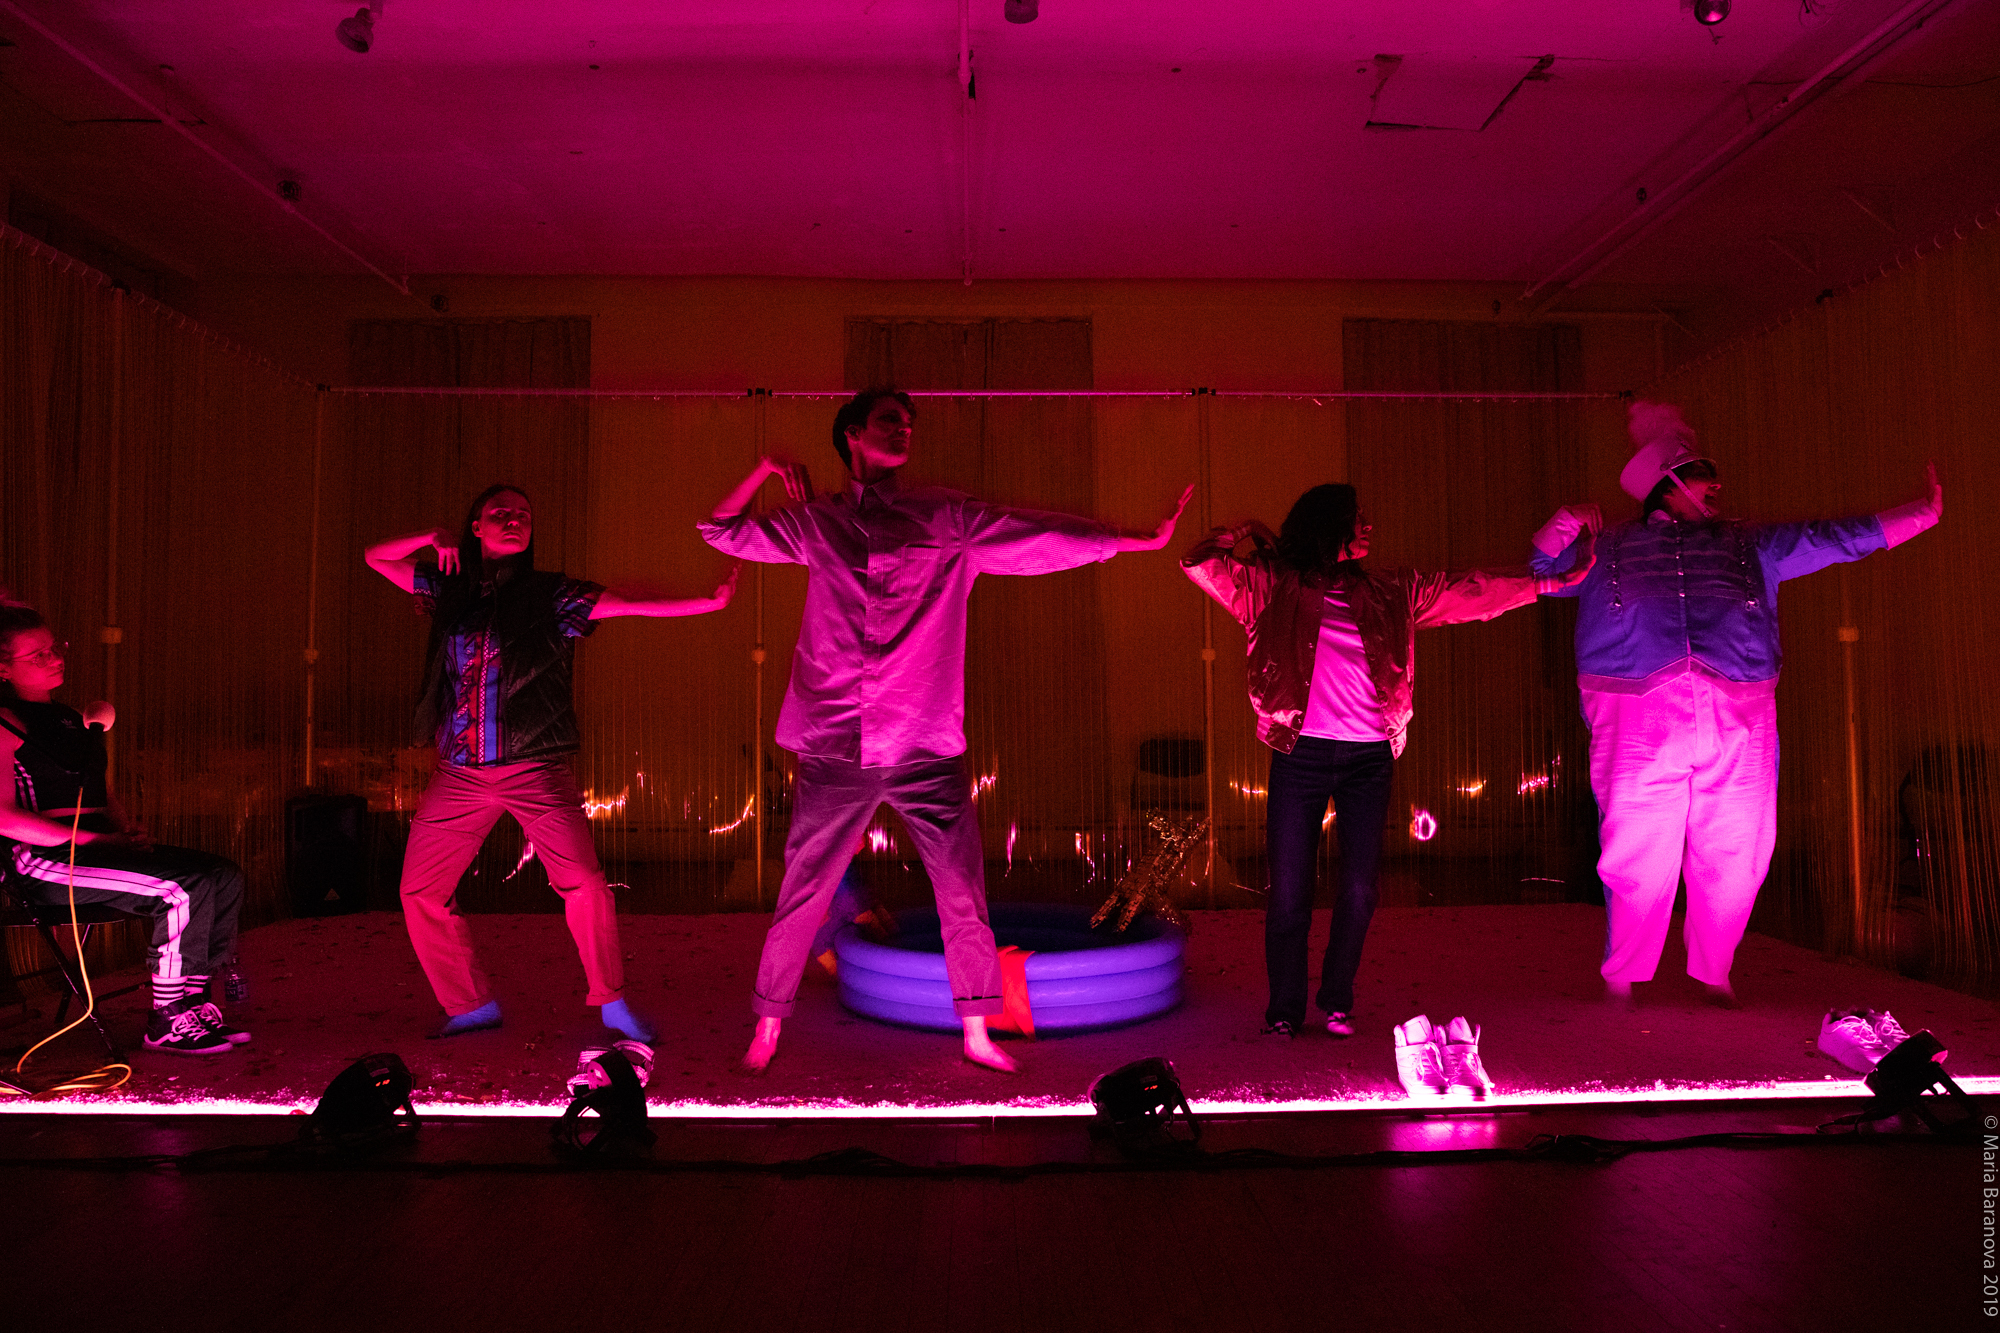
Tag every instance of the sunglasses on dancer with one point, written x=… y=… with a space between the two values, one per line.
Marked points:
x=49 y=656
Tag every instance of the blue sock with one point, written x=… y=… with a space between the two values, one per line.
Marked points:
x=623 y=1017
x=485 y=1016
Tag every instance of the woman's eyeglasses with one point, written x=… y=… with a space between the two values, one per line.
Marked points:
x=49 y=656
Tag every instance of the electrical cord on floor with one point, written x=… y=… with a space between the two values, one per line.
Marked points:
x=105 y=1077
x=1562 y=1149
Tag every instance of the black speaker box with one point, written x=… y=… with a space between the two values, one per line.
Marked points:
x=326 y=864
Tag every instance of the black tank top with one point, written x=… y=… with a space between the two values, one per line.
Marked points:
x=60 y=762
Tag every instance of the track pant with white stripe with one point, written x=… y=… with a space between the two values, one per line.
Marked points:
x=193 y=898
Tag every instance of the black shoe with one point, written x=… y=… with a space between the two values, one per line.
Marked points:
x=1280 y=1029
x=212 y=1015
x=180 y=1030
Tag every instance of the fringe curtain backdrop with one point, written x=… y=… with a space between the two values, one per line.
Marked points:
x=397 y=463
x=1496 y=766
x=1035 y=686
x=1835 y=413
x=158 y=483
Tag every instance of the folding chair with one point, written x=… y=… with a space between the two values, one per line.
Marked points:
x=47 y=918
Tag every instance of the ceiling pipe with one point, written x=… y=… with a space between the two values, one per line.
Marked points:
x=173 y=123
x=1664 y=203
x=965 y=134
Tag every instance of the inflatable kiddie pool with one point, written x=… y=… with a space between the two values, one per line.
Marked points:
x=1078 y=978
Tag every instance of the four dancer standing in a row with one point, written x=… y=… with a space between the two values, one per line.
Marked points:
x=1676 y=649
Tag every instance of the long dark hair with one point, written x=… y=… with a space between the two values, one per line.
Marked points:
x=1320 y=524
x=469 y=555
x=16 y=619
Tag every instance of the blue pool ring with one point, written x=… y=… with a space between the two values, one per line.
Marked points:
x=1079 y=979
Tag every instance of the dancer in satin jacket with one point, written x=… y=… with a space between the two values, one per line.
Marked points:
x=1332 y=649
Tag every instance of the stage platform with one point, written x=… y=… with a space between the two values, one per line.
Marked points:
x=329 y=990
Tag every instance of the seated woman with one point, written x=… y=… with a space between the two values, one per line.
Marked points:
x=1332 y=663
x=57 y=755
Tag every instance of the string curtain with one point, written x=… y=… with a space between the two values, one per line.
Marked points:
x=400 y=463
x=162 y=482
x=1491 y=798
x=1836 y=412
x=157 y=486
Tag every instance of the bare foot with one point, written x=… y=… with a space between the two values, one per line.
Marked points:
x=979 y=1047
x=763 y=1045
x=1618 y=994
x=1722 y=997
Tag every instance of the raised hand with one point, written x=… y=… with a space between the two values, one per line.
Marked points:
x=446 y=546
x=1161 y=535
x=1936 y=491
x=797 y=481
x=1590 y=518
x=726 y=589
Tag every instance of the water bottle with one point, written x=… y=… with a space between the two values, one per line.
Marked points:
x=235 y=986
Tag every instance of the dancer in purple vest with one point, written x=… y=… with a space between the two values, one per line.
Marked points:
x=1677 y=656
x=875 y=710
x=496 y=703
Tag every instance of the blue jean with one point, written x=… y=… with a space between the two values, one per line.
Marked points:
x=1354 y=775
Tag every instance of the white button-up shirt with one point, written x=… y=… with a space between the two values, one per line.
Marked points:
x=879 y=673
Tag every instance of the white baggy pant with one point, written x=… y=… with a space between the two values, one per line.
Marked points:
x=1686 y=778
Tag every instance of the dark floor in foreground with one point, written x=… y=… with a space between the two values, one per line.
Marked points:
x=475 y=1225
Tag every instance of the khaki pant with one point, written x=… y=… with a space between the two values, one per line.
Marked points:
x=1686 y=779
x=459 y=809
x=832 y=803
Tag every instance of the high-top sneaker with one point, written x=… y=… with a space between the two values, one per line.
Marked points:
x=1462 y=1069
x=591 y=1075
x=1420 y=1059
x=1848 y=1035
x=211 y=1014
x=179 y=1029
x=1889 y=1032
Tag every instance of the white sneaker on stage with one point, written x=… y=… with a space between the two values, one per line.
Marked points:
x=1462 y=1067
x=1849 y=1036
x=1420 y=1059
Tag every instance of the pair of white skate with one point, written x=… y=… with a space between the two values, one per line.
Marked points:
x=1439 y=1062
x=591 y=1075
x=1859 y=1038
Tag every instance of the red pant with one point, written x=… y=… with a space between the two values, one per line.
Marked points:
x=459 y=809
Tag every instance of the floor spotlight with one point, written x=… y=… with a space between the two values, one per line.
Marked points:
x=1136 y=1105
x=1708 y=13
x=358 y=33
x=1021 y=11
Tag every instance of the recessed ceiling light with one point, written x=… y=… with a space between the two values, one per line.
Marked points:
x=1708 y=13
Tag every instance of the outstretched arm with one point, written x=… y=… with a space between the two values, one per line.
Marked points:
x=1158 y=538
x=1906 y=521
x=632 y=602
x=798 y=485
x=1790 y=550
x=395 y=559
x=1564 y=549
